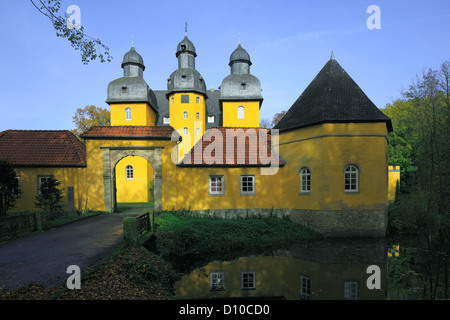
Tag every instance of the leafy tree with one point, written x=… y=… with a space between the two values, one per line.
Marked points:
x=277 y=117
x=89 y=47
x=8 y=187
x=88 y=117
x=49 y=197
x=264 y=123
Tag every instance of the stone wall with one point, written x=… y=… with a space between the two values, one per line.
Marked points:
x=330 y=223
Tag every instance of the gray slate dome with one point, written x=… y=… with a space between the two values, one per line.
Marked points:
x=132 y=86
x=132 y=57
x=240 y=84
x=186 y=78
x=240 y=55
x=186 y=45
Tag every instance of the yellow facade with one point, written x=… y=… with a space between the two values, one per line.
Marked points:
x=326 y=149
x=140 y=114
x=248 y=116
x=69 y=177
x=187 y=116
x=394 y=179
x=134 y=177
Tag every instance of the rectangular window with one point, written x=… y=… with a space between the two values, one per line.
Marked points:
x=210 y=119
x=247 y=185
x=16 y=188
x=184 y=98
x=351 y=290
x=305 y=288
x=166 y=120
x=248 y=280
x=41 y=181
x=217 y=281
x=216 y=185
x=197 y=131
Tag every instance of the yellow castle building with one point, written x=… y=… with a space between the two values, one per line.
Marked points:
x=324 y=165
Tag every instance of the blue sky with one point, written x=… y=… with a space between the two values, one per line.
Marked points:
x=44 y=81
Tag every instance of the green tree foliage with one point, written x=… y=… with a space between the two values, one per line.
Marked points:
x=420 y=142
x=89 y=47
x=88 y=117
x=8 y=187
x=49 y=198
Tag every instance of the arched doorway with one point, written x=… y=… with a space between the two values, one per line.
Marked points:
x=112 y=156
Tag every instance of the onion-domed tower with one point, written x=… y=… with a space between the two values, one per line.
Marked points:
x=131 y=100
x=186 y=91
x=240 y=92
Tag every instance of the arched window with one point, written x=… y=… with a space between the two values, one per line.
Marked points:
x=185 y=115
x=129 y=172
x=173 y=100
x=241 y=112
x=351 y=178
x=305 y=180
x=197 y=115
x=197 y=100
x=128 y=113
x=185 y=130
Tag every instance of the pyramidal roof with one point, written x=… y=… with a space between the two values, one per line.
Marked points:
x=331 y=97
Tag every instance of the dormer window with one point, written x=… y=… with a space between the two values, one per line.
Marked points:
x=210 y=119
x=243 y=85
x=124 y=89
x=128 y=113
x=183 y=46
x=166 y=120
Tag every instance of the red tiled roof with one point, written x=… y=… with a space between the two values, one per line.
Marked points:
x=235 y=147
x=133 y=132
x=46 y=148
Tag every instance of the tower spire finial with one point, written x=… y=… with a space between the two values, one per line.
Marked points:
x=185 y=28
x=132 y=41
x=332 y=56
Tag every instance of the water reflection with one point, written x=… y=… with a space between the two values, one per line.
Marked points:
x=328 y=269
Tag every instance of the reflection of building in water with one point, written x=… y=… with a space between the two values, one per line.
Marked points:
x=320 y=271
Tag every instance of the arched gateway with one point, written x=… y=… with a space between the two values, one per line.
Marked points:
x=112 y=155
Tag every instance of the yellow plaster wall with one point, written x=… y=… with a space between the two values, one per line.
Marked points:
x=326 y=149
x=193 y=189
x=141 y=115
x=69 y=177
x=178 y=122
x=394 y=178
x=251 y=114
x=138 y=188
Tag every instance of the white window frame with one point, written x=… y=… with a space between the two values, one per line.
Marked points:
x=305 y=180
x=197 y=130
x=241 y=112
x=210 y=119
x=244 y=184
x=128 y=114
x=351 y=290
x=217 y=281
x=166 y=120
x=197 y=115
x=16 y=191
x=185 y=130
x=185 y=114
x=248 y=280
x=129 y=172
x=351 y=178
x=173 y=100
x=197 y=99
x=305 y=288
x=212 y=180
x=40 y=181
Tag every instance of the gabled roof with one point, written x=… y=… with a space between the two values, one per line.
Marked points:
x=233 y=147
x=42 y=148
x=129 y=132
x=331 y=97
